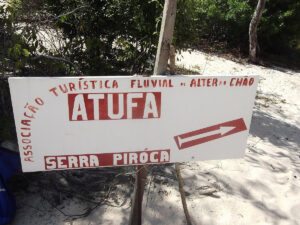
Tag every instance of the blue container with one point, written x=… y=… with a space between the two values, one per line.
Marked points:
x=9 y=165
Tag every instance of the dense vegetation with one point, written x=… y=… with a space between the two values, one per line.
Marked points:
x=120 y=37
x=71 y=37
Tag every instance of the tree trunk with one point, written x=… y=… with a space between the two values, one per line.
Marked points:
x=172 y=59
x=253 y=30
x=165 y=37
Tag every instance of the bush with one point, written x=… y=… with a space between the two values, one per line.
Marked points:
x=280 y=27
x=228 y=21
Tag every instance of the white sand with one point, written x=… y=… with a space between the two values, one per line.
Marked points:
x=264 y=187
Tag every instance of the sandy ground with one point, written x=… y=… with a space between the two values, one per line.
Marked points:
x=261 y=188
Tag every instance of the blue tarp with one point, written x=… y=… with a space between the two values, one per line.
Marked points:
x=9 y=165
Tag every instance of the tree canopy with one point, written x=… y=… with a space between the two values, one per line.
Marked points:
x=120 y=37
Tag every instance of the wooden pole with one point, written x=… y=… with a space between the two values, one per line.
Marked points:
x=136 y=208
x=182 y=194
x=165 y=37
x=161 y=62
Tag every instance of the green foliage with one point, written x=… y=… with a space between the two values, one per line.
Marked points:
x=99 y=36
x=228 y=21
x=185 y=34
x=109 y=37
x=120 y=36
x=15 y=48
x=280 y=28
x=219 y=20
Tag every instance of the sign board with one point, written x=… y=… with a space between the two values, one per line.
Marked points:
x=87 y=122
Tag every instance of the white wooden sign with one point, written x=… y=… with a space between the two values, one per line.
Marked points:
x=85 y=122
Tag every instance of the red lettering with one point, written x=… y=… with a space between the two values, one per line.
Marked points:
x=114 y=106
x=106 y=159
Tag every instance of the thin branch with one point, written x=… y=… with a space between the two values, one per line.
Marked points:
x=76 y=68
x=71 y=12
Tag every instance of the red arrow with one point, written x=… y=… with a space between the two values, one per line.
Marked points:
x=206 y=134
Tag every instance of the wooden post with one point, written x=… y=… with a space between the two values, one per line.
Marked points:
x=182 y=194
x=165 y=37
x=136 y=208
